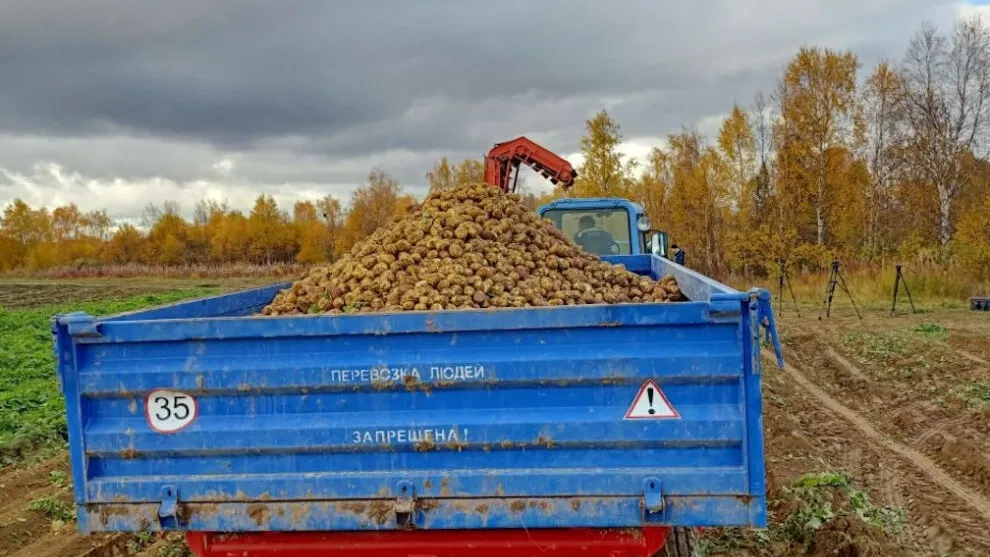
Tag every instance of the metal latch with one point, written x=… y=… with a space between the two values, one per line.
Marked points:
x=405 y=503
x=168 y=510
x=652 y=496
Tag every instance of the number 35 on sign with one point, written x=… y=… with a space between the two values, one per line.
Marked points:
x=169 y=411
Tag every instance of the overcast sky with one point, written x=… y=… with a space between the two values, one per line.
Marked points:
x=109 y=103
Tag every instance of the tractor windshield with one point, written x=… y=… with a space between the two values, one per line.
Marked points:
x=599 y=231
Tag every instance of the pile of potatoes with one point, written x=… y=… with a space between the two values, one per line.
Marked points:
x=472 y=247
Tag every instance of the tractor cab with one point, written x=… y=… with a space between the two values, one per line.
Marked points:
x=603 y=225
x=606 y=226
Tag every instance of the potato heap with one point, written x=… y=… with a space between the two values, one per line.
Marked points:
x=471 y=247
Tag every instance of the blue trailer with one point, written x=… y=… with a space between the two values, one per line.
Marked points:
x=578 y=429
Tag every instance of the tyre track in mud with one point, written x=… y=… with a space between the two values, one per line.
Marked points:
x=972 y=357
x=974 y=500
x=915 y=406
x=804 y=435
x=946 y=519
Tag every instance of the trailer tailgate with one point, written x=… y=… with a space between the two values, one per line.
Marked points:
x=594 y=416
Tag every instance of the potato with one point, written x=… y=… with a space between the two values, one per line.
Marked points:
x=470 y=247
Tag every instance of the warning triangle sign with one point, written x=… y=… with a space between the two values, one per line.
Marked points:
x=651 y=404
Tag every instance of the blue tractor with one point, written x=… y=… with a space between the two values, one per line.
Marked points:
x=604 y=226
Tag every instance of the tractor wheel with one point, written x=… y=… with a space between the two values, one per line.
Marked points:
x=681 y=542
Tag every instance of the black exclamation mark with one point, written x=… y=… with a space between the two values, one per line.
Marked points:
x=649 y=395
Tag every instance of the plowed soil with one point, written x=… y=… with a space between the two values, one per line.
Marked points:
x=901 y=403
x=907 y=376
x=27 y=533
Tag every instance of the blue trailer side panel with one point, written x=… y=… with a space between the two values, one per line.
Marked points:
x=456 y=419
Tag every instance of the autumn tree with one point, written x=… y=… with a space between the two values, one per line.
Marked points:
x=208 y=214
x=972 y=240
x=267 y=231
x=764 y=182
x=698 y=203
x=603 y=172
x=470 y=171
x=332 y=216
x=817 y=96
x=750 y=239
x=441 y=177
x=231 y=241
x=650 y=189
x=124 y=246
x=25 y=229
x=9 y=249
x=882 y=107
x=445 y=176
x=946 y=100
x=737 y=146
x=373 y=205
x=98 y=225
x=168 y=237
x=311 y=234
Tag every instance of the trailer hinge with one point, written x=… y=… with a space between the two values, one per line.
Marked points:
x=168 y=510
x=652 y=496
x=405 y=503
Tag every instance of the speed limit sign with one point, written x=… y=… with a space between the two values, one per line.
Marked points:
x=169 y=411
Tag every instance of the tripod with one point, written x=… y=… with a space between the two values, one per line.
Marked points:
x=782 y=277
x=897 y=281
x=833 y=279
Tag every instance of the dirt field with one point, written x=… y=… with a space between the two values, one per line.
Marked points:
x=22 y=294
x=901 y=404
x=877 y=435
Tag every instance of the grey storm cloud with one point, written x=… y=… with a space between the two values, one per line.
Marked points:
x=310 y=90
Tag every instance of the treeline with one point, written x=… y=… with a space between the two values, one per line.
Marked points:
x=869 y=169
x=832 y=163
x=313 y=232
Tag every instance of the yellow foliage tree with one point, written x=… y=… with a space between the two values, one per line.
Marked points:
x=373 y=205
x=819 y=116
x=697 y=201
x=972 y=241
x=124 y=245
x=603 y=172
x=268 y=231
x=650 y=189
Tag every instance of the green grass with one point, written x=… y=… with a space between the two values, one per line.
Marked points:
x=877 y=346
x=823 y=497
x=174 y=546
x=60 y=479
x=975 y=394
x=32 y=411
x=932 y=331
x=54 y=508
x=799 y=511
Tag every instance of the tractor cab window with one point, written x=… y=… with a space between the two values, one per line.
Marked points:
x=602 y=232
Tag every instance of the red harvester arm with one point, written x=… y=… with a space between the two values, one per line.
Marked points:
x=508 y=155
